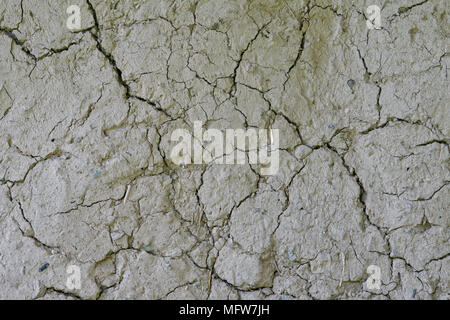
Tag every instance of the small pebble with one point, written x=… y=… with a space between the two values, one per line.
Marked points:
x=148 y=249
x=43 y=267
x=351 y=83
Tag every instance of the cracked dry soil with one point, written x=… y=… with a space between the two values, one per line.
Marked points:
x=86 y=119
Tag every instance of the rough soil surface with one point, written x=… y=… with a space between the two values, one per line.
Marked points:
x=364 y=155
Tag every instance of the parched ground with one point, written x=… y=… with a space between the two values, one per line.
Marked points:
x=364 y=155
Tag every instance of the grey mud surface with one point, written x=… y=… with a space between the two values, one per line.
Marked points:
x=364 y=155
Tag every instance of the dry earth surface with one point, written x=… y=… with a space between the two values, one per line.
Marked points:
x=363 y=179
